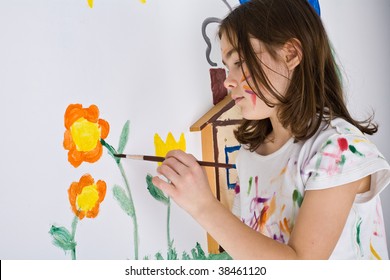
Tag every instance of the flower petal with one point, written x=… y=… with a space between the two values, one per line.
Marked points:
x=73 y=191
x=182 y=143
x=72 y=114
x=159 y=146
x=94 y=155
x=101 y=187
x=104 y=128
x=75 y=157
x=92 y=113
x=68 y=140
x=86 y=180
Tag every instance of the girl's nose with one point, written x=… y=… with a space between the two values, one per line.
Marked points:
x=230 y=83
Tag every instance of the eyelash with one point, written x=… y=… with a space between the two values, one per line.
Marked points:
x=239 y=63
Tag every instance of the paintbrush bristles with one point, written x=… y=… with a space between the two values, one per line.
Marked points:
x=129 y=156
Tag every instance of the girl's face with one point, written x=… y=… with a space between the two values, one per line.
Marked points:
x=252 y=107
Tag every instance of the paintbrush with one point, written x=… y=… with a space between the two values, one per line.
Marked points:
x=161 y=159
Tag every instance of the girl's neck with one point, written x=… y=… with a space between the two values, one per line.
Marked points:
x=275 y=140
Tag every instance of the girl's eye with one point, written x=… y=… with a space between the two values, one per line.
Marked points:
x=239 y=63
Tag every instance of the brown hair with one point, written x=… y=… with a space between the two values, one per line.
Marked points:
x=315 y=92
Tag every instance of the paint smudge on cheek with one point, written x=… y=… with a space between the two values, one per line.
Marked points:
x=247 y=89
x=252 y=94
x=245 y=77
x=254 y=99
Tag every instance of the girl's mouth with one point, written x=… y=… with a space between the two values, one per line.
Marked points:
x=238 y=99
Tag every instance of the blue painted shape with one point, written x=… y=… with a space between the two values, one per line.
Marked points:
x=229 y=150
x=316 y=5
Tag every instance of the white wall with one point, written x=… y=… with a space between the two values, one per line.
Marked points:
x=143 y=63
x=360 y=35
x=146 y=64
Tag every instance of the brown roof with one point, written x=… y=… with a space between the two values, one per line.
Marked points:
x=214 y=113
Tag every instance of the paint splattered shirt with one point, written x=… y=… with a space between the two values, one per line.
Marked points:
x=271 y=188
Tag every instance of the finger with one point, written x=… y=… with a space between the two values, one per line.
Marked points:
x=168 y=172
x=166 y=187
x=187 y=159
x=176 y=165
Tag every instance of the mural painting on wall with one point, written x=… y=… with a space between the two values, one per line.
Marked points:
x=85 y=139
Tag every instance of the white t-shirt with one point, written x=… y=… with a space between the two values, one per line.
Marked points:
x=271 y=188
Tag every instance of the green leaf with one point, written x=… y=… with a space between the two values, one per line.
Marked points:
x=185 y=256
x=62 y=238
x=156 y=192
x=111 y=150
x=172 y=254
x=124 y=201
x=159 y=257
x=123 y=138
x=198 y=253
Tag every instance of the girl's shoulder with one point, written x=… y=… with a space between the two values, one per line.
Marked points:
x=340 y=153
x=332 y=136
x=335 y=128
x=342 y=127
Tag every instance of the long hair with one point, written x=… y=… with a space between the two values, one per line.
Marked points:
x=315 y=92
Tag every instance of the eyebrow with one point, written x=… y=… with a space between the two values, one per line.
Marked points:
x=228 y=55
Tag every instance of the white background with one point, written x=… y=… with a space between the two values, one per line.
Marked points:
x=143 y=63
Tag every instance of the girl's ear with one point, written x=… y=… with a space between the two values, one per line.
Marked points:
x=292 y=53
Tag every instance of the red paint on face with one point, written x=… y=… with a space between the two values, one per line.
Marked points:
x=253 y=95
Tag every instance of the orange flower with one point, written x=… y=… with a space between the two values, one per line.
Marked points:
x=85 y=196
x=83 y=132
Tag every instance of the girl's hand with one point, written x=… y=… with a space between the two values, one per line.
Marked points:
x=188 y=185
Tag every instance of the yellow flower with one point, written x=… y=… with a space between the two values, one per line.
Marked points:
x=85 y=196
x=162 y=148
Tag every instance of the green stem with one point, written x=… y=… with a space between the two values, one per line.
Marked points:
x=135 y=224
x=168 y=223
x=112 y=151
x=74 y=226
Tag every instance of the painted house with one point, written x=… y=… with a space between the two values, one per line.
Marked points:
x=219 y=145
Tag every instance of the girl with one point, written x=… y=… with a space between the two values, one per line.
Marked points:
x=309 y=178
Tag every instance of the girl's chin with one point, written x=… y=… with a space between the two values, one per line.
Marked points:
x=250 y=117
